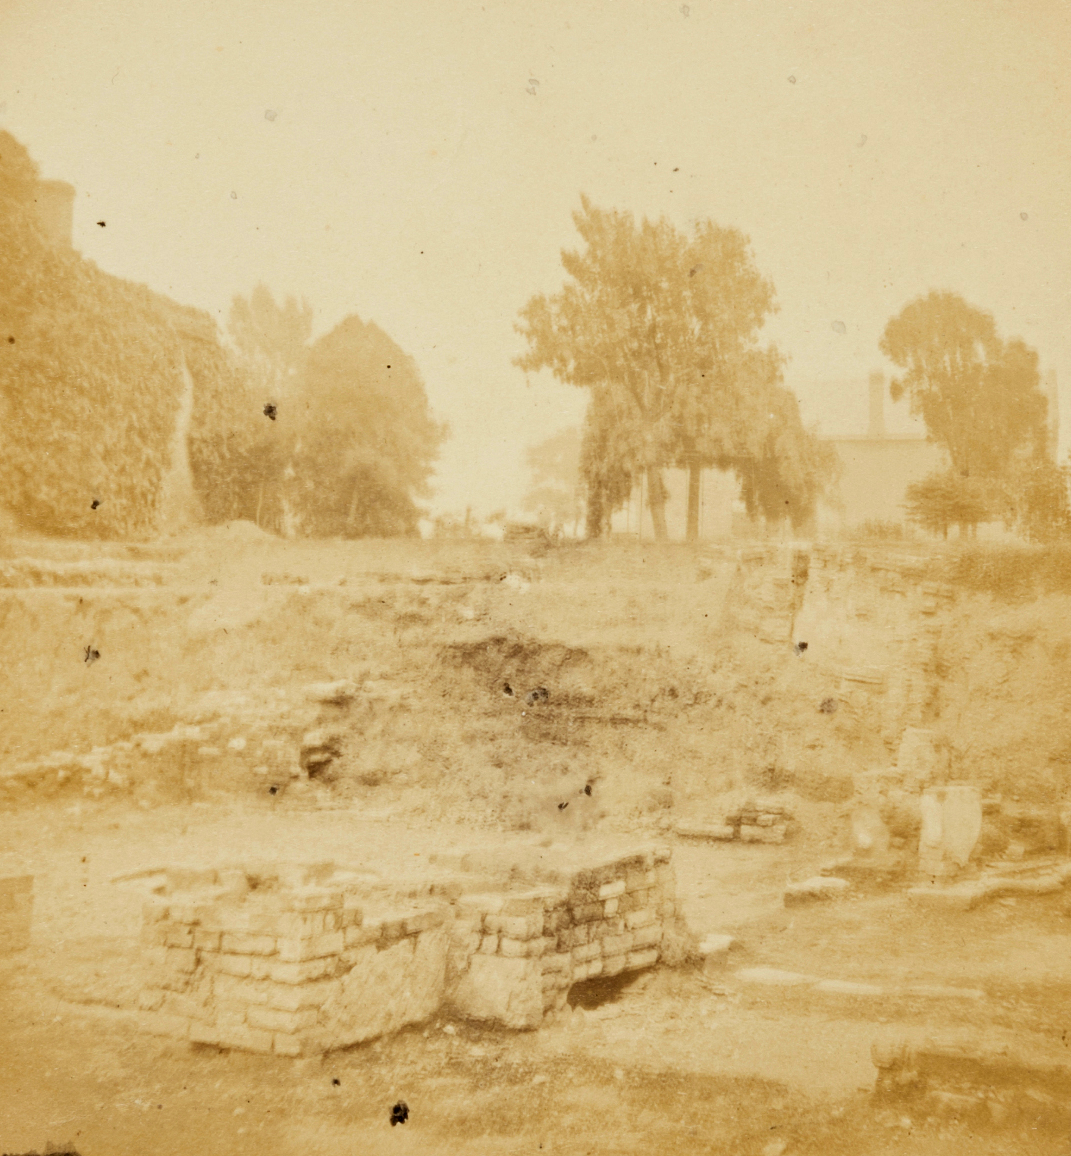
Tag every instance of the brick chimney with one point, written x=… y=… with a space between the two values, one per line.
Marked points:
x=55 y=211
x=877 y=405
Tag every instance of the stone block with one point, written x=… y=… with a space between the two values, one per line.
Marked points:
x=756 y=834
x=206 y=940
x=150 y=999
x=297 y=997
x=275 y=1020
x=638 y=959
x=612 y=890
x=558 y=962
x=424 y=921
x=500 y=990
x=243 y=944
x=586 y=952
x=285 y=924
x=151 y=934
x=351 y=917
x=306 y=901
x=648 y=936
x=642 y=918
x=816 y=889
x=614 y=965
x=180 y=959
x=154 y=910
x=205 y=1033
x=177 y=935
x=240 y=965
x=489 y=945
x=161 y=1024
x=714 y=950
x=556 y=921
x=717 y=832
x=610 y=906
x=180 y=912
x=392 y=927
x=574 y=936
x=293 y=973
x=517 y=948
x=185 y=1006
x=244 y=1039
x=240 y=990
x=359 y=936
x=529 y=902
x=289 y=1045
x=587 y=912
x=617 y=944
x=318 y=947
x=391 y=986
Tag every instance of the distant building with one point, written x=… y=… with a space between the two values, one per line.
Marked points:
x=876 y=469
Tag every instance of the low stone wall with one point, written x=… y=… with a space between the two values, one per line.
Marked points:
x=288 y=965
x=16 y=912
x=515 y=957
x=309 y=959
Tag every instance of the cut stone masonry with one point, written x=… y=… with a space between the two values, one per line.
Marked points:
x=305 y=960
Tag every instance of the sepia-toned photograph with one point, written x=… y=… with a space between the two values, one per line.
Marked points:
x=535 y=578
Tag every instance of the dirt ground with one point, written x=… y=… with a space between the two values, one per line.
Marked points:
x=650 y=700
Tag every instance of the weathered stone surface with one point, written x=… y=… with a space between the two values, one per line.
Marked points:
x=714 y=950
x=499 y=990
x=756 y=834
x=720 y=832
x=816 y=889
x=388 y=988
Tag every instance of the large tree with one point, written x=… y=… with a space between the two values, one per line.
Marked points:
x=366 y=439
x=978 y=394
x=662 y=328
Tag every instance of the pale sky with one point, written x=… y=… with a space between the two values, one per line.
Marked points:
x=418 y=164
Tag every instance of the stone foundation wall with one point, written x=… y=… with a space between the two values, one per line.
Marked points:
x=515 y=957
x=292 y=966
x=309 y=959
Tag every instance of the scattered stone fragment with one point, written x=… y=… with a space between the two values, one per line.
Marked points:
x=817 y=888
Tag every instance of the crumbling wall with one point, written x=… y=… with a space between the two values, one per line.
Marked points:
x=515 y=957
x=292 y=965
x=301 y=961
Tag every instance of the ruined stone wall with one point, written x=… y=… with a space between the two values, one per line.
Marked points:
x=292 y=965
x=302 y=961
x=515 y=957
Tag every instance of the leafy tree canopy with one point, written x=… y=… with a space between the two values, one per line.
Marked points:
x=367 y=441
x=662 y=328
x=978 y=394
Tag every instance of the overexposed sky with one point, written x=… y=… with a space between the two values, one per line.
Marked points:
x=418 y=164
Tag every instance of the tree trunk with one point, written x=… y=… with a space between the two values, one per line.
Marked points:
x=656 y=503
x=694 y=474
x=594 y=512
